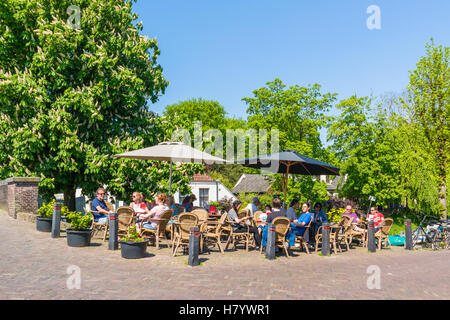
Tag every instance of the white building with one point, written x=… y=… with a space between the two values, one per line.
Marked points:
x=206 y=189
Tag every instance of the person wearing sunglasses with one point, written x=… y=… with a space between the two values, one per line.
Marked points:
x=378 y=218
x=138 y=205
x=99 y=207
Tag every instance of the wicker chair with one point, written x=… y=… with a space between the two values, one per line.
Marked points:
x=282 y=226
x=361 y=235
x=182 y=230
x=126 y=218
x=333 y=235
x=383 y=233
x=220 y=229
x=243 y=213
x=235 y=238
x=301 y=239
x=99 y=227
x=163 y=219
x=256 y=218
x=347 y=230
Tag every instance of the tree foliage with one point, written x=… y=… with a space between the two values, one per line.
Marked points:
x=70 y=98
x=429 y=107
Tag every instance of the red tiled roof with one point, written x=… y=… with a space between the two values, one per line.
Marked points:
x=202 y=177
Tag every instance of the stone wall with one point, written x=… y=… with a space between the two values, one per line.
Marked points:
x=19 y=195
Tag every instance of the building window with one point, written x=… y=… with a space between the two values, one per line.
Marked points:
x=181 y=198
x=204 y=197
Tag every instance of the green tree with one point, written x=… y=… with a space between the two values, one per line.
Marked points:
x=429 y=107
x=70 y=98
x=297 y=112
x=365 y=144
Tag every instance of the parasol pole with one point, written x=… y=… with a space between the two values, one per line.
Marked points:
x=286 y=182
x=170 y=177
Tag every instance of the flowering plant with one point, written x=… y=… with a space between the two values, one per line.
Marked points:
x=133 y=235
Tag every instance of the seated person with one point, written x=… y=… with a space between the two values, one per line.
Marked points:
x=188 y=202
x=268 y=209
x=318 y=216
x=154 y=213
x=99 y=208
x=262 y=219
x=236 y=223
x=378 y=218
x=291 y=211
x=170 y=203
x=349 y=212
x=304 y=219
x=138 y=205
x=253 y=206
x=276 y=212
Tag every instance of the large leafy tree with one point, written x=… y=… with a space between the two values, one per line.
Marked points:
x=71 y=97
x=364 y=144
x=206 y=121
x=429 y=106
x=297 y=112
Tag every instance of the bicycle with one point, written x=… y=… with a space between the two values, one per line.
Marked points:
x=442 y=237
x=433 y=237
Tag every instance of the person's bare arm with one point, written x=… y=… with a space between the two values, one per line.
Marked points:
x=101 y=210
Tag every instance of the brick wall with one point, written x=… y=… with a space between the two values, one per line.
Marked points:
x=19 y=195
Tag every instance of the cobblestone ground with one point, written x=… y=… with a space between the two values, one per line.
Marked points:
x=34 y=266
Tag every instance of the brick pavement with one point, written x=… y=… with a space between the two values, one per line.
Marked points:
x=34 y=266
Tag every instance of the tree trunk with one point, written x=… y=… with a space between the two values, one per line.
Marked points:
x=69 y=198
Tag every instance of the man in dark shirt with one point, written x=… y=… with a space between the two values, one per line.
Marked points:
x=99 y=208
x=276 y=211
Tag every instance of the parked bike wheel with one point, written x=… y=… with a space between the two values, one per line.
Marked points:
x=438 y=242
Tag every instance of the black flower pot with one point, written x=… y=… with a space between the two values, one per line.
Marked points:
x=43 y=224
x=78 y=238
x=133 y=250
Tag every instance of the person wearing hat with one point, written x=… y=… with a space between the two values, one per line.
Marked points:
x=187 y=202
x=254 y=206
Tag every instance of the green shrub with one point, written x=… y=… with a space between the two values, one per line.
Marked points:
x=335 y=214
x=46 y=210
x=78 y=221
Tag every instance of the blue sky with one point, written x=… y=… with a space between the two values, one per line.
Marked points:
x=223 y=50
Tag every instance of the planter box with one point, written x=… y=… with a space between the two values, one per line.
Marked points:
x=133 y=250
x=80 y=238
x=44 y=224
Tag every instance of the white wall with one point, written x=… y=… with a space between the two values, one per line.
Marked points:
x=217 y=191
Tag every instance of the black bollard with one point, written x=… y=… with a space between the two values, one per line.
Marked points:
x=113 y=243
x=371 y=237
x=56 y=220
x=270 y=245
x=326 y=239
x=194 y=237
x=408 y=235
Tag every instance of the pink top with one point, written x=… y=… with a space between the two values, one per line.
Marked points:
x=156 y=212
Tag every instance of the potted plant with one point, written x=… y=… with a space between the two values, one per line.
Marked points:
x=133 y=246
x=79 y=233
x=44 y=217
x=213 y=206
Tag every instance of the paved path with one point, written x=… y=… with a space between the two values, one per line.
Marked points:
x=34 y=266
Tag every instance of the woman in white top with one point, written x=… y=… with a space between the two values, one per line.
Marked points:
x=138 y=205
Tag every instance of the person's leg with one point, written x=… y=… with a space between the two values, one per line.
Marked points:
x=103 y=220
x=255 y=235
